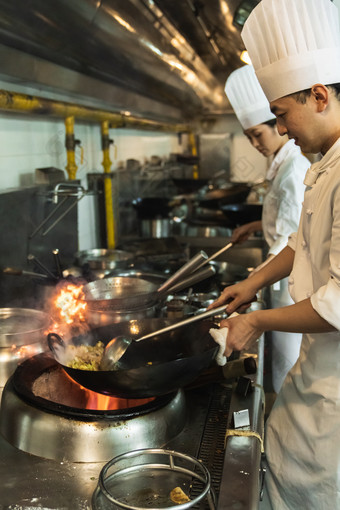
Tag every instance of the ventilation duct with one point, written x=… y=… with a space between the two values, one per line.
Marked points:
x=174 y=54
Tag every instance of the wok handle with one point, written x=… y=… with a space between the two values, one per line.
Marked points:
x=54 y=338
x=190 y=280
x=185 y=322
x=216 y=254
x=192 y=265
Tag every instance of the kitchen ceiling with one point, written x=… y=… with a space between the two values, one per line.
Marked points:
x=174 y=54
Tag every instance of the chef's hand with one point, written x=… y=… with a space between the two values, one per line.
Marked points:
x=236 y=297
x=242 y=333
x=242 y=233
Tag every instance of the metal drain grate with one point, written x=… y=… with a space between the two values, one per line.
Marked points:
x=211 y=451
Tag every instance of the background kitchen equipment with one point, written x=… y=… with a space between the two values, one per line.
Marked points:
x=154 y=217
x=185 y=185
x=159 y=228
x=101 y=258
x=152 y=207
x=22 y=335
x=166 y=254
x=159 y=366
x=146 y=478
x=204 y=228
x=229 y=194
x=239 y=214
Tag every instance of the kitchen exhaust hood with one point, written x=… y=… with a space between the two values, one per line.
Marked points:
x=162 y=59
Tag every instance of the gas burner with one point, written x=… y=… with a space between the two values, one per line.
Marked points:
x=45 y=413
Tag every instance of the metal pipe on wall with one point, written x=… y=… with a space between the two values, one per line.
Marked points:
x=109 y=212
x=23 y=103
x=194 y=152
x=70 y=144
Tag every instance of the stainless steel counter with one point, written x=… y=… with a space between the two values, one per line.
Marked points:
x=241 y=480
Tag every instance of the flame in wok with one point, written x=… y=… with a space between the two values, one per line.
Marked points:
x=70 y=304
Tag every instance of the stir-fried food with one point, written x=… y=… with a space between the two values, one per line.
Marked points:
x=178 y=496
x=86 y=357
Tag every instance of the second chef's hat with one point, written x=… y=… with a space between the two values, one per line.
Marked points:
x=293 y=44
x=247 y=98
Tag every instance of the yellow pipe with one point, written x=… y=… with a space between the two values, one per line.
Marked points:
x=71 y=166
x=192 y=143
x=109 y=212
x=12 y=101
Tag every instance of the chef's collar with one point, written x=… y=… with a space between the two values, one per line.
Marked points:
x=279 y=159
x=327 y=162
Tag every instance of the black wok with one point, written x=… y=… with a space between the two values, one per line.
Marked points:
x=152 y=207
x=234 y=194
x=189 y=185
x=239 y=214
x=153 y=367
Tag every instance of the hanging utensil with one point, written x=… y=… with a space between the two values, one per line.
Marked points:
x=117 y=347
x=33 y=258
x=57 y=262
x=20 y=272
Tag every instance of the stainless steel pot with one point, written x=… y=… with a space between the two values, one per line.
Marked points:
x=157 y=228
x=22 y=335
x=204 y=229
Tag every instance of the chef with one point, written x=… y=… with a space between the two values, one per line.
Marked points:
x=282 y=203
x=294 y=46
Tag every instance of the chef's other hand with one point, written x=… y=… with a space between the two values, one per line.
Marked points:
x=242 y=233
x=236 y=296
x=242 y=332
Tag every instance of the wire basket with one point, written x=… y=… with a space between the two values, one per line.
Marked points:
x=145 y=479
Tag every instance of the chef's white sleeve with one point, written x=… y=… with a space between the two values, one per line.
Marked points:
x=326 y=300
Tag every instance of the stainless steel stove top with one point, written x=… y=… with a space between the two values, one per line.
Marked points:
x=30 y=482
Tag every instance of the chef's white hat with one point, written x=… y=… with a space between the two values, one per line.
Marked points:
x=249 y=103
x=293 y=44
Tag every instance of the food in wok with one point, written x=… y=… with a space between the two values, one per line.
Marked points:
x=85 y=357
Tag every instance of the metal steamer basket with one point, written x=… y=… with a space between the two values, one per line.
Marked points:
x=145 y=479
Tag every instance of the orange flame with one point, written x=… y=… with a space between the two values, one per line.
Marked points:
x=70 y=304
x=100 y=402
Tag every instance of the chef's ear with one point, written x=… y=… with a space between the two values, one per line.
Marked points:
x=320 y=94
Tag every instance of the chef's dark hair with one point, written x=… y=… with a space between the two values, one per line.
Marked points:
x=301 y=96
x=271 y=123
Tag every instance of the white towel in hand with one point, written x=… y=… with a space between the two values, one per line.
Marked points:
x=220 y=337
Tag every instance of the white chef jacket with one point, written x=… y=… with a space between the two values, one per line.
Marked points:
x=283 y=202
x=303 y=429
x=281 y=214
